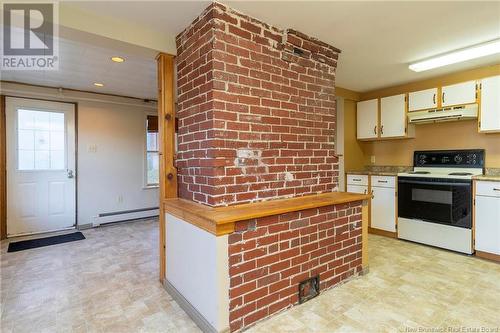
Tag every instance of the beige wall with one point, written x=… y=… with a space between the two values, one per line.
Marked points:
x=353 y=153
x=116 y=126
x=450 y=135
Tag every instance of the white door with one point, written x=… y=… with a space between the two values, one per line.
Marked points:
x=384 y=209
x=462 y=93
x=367 y=119
x=488 y=224
x=392 y=116
x=423 y=99
x=40 y=166
x=490 y=104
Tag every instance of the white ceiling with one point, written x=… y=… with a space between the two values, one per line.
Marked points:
x=85 y=59
x=378 y=39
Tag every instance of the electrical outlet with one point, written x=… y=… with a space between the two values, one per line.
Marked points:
x=372 y=159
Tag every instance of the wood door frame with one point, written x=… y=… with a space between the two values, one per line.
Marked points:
x=166 y=130
x=3 y=159
x=3 y=170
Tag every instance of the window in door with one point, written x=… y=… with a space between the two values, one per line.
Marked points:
x=41 y=140
x=152 y=151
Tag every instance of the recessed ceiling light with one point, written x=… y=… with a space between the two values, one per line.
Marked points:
x=98 y=84
x=473 y=52
x=117 y=59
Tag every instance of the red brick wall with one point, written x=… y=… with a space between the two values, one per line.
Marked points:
x=256 y=109
x=268 y=257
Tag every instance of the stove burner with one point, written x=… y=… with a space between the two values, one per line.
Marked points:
x=419 y=172
x=460 y=174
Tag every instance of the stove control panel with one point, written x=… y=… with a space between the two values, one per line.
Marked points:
x=449 y=158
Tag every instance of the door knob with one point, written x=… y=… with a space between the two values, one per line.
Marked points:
x=70 y=173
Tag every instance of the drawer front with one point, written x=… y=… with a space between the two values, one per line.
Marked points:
x=384 y=181
x=490 y=189
x=357 y=180
x=361 y=189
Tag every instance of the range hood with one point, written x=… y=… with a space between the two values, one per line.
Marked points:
x=463 y=112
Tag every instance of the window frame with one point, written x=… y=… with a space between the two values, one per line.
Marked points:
x=146 y=184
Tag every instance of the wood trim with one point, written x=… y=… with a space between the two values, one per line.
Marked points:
x=78 y=90
x=364 y=233
x=444 y=80
x=347 y=94
x=488 y=256
x=473 y=240
x=383 y=233
x=166 y=134
x=220 y=220
x=3 y=170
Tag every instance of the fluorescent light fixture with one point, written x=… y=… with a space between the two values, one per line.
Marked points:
x=98 y=84
x=117 y=59
x=473 y=52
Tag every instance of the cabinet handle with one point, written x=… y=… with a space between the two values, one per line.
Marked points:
x=382 y=129
x=365 y=191
x=434 y=98
x=356 y=179
x=375 y=129
x=382 y=181
x=496 y=189
x=443 y=97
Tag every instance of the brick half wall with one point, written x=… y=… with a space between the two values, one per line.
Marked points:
x=256 y=108
x=268 y=257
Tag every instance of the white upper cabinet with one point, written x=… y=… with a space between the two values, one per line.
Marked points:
x=490 y=104
x=423 y=99
x=392 y=116
x=367 y=119
x=462 y=93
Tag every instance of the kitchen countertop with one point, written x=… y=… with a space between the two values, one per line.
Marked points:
x=381 y=170
x=371 y=173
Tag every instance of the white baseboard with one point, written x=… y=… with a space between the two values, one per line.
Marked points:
x=124 y=216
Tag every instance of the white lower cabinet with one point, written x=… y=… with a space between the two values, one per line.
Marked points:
x=384 y=208
x=488 y=217
x=383 y=203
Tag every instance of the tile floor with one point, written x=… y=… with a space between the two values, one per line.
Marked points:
x=109 y=283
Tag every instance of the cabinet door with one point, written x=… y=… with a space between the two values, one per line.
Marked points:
x=488 y=224
x=423 y=99
x=392 y=116
x=357 y=189
x=490 y=104
x=462 y=93
x=384 y=209
x=367 y=119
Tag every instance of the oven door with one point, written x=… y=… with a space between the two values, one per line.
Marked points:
x=445 y=201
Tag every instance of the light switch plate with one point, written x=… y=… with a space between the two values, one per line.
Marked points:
x=92 y=148
x=372 y=159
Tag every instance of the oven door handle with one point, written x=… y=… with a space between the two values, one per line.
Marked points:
x=431 y=183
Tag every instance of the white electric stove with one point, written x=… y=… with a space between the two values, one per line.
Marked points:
x=435 y=199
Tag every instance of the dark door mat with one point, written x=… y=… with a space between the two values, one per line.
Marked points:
x=40 y=242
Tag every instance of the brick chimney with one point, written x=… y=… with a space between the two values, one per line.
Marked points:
x=256 y=109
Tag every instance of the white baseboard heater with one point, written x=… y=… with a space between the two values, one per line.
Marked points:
x=125 y=215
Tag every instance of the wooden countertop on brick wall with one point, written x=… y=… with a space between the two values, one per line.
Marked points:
x=220 y=220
